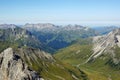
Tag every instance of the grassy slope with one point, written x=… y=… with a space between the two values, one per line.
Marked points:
x=55 y=70
x=77 y=54
x=74 y=54
x=58 y=71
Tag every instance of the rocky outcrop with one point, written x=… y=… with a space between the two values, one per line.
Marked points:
x=105 y=44
x=12 y=67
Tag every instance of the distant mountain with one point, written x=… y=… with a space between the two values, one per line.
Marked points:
x=104 y=30
x=18 y=35
x=40 y=27
x=6 y=26
x=44 y=36
x=58 y=37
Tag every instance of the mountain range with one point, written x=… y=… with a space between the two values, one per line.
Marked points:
x=61 y=35
x=46 y=51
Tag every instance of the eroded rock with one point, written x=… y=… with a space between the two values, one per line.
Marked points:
x=12 y=67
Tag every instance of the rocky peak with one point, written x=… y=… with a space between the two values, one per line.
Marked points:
x=73 y=27
x=39 y=26
x=12 y=67
x=6 y=26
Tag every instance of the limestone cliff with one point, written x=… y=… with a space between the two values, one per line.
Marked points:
x=12 y=67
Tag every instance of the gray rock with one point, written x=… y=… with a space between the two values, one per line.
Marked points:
x=12 y=67
x=105 y=44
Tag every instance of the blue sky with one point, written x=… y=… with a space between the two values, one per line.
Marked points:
x=86 y=12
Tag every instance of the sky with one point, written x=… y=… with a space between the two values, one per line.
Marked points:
x=85 y=12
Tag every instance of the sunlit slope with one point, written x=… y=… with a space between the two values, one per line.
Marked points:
x=101 y=68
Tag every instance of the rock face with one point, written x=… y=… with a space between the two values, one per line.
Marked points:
x=12 y=67
x=106 y=44
x=30 y=54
